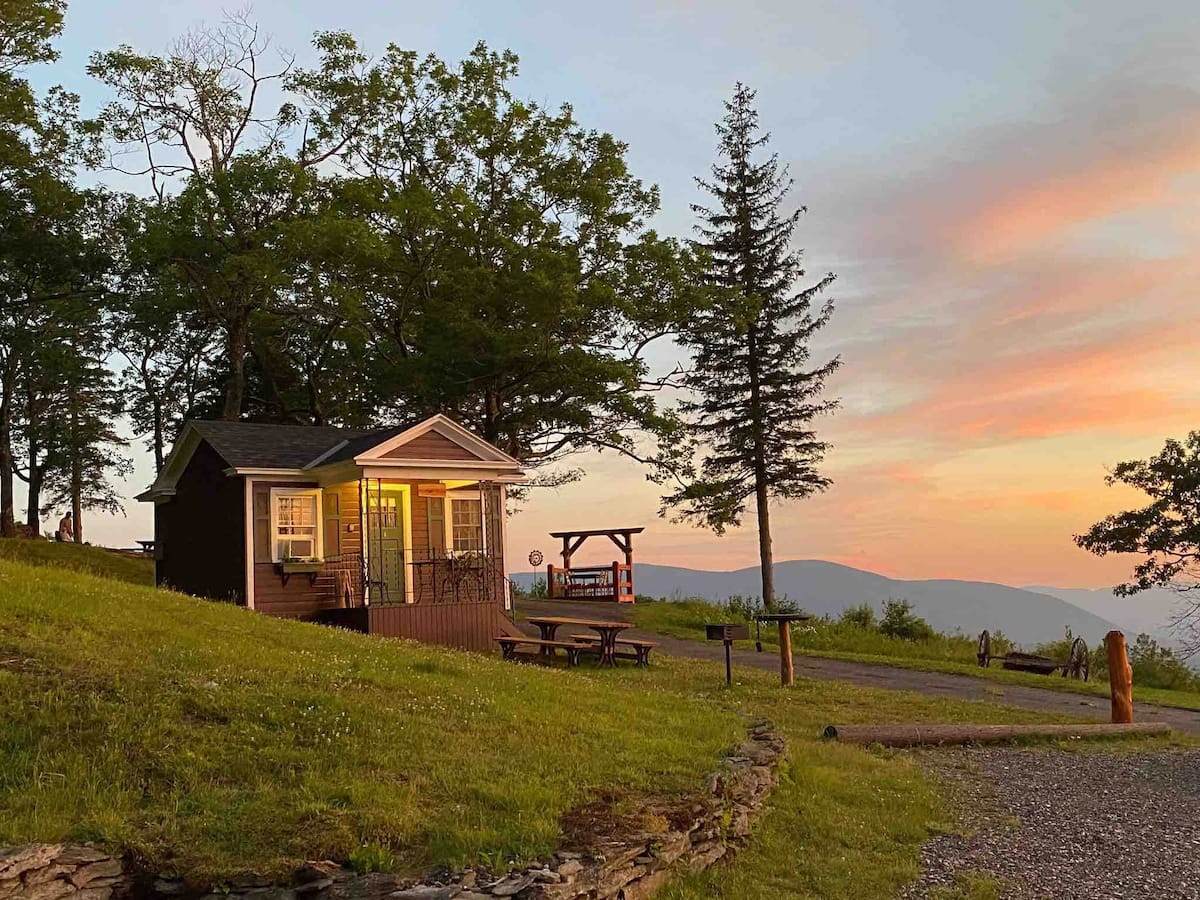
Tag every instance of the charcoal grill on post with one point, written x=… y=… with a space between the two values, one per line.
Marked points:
x=1077 y=665
x=727 y=633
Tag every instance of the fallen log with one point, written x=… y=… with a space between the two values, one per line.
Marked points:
x=933 y=735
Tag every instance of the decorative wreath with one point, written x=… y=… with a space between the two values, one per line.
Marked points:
x=535 y=558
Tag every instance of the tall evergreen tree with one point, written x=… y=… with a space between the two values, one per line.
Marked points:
x=753 y=392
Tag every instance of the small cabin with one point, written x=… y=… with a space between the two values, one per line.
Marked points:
x=396 y=531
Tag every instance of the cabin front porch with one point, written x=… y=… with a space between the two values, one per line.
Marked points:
x=396 y=557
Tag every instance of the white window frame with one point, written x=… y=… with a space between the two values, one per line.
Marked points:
x=448 y=524
x=318 y=538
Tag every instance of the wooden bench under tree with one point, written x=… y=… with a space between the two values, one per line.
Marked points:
x=509 y=645
x=640 y=650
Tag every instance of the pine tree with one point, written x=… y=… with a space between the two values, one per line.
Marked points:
x=753 y=394
x=85 y=450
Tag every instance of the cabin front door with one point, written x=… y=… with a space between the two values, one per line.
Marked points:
x=385 y=544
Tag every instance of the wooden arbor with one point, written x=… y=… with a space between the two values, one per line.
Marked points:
x=612 y=583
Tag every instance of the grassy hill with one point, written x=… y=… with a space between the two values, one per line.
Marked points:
x=79 y=558
x=209 y=740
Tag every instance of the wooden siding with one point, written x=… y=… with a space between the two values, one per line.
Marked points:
x=199 y=533
x=303 y=598
x=299 y=598
x=467 y=626
x=430 y=445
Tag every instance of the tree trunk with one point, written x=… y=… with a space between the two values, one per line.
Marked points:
x=8 y=525
x=76 y=469
x=766 y=558
x=33 y=419
x=33 y=505
x=33 y=509
x=491 y=420
x=159 y=442
x=235 y=384
x=77 y=497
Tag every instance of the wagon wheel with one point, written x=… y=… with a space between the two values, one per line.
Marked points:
x=984 y=654
x=1078 y=664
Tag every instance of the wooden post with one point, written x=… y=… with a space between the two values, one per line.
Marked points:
x=787 y=672
x=1120 y=678
x=549 y=581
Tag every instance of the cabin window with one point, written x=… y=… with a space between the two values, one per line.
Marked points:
x=467 y=528
x=295 y=524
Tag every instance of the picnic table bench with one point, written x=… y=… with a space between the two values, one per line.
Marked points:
x=508 y=647
x=606 y=628
x=641 y=649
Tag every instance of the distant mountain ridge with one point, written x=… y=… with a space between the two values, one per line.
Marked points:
x=824 y=588
x=1149 y=611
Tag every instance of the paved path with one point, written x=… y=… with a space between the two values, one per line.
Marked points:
x=937 y=684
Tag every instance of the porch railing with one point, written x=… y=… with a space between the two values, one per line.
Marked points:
x=425 y=577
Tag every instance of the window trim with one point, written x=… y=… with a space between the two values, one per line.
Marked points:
x=448 y=523
x=318 y=522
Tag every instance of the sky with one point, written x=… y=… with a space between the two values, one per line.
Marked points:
x=1007 y=193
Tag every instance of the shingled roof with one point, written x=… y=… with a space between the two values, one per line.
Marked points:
x=254 y=445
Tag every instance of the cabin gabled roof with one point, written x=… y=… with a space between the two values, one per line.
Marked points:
x=252 y=445
x=261 y=448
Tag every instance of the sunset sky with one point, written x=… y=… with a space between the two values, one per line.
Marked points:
x=1008 y=193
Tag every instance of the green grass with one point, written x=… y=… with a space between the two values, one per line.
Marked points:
x=208 y=740
x=950 y=654
x=213 y=739
x=78 y=558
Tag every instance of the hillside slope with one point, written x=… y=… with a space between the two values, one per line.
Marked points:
x=210 y=740
x=828 y=588
x=79 y=558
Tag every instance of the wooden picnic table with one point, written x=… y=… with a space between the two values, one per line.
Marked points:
x=608 y=631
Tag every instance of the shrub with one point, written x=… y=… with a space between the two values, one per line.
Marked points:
x=746 y=608
x=899 y=621
x=1001 y=645
x=861 y=616
x=1155 y=666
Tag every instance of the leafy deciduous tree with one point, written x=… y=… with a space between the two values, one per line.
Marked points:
x=1165 y=533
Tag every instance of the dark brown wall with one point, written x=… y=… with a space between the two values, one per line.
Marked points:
x=199 y=534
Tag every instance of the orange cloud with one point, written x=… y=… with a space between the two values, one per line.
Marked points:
x=1082 y=190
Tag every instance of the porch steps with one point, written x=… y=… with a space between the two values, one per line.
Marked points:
x=505 y=628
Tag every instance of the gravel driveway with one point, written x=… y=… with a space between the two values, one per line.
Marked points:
x=1055 y=823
